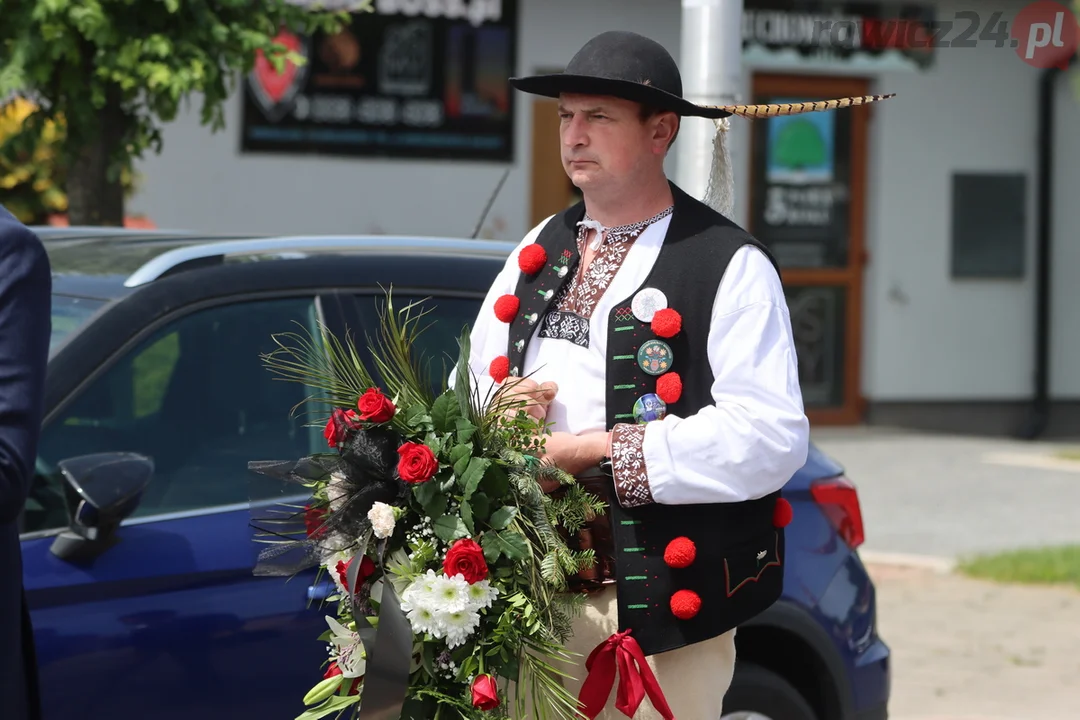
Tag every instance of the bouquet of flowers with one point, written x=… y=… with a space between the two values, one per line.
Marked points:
x=427 y=512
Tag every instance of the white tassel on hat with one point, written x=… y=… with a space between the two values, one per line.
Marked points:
x=720 y=194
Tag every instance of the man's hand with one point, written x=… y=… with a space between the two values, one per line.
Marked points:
x=575 y=454
x=536 y=396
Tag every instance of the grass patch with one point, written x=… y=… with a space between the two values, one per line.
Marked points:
x=1068 y=454
x=1043 y=566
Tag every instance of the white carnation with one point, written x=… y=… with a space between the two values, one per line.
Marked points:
x=381 y=516
x=335 y=492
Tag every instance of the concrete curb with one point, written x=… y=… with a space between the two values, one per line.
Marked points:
x=941 y=565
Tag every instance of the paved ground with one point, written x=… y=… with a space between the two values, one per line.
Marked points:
x=947 y=496
x=971 y=650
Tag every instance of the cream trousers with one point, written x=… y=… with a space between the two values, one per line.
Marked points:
x=694 y=679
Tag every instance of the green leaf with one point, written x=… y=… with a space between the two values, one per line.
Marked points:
x=496 y=482
x=470 y=479
x=465 y=429
x=511 y=545
x=417 y=416
x=467 y=516
x=481 y=506
x=449 y=528
x=502 y=517
x=431 y=498
x=424 y=493
x=445 y=412
x=459 y=457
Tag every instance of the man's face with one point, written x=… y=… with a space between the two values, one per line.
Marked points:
x=605 y=143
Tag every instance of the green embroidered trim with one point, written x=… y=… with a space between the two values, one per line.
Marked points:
x=637 y=577
x=623 y=416
x=639 y=549
x=637 y=607
x=624 y=327
x=629 y=522
x=623 y=357
x=624 y=387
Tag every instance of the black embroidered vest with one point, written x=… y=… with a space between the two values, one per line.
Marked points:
x=737 y=572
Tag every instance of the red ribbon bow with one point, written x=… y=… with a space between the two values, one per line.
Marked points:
x=636 y=679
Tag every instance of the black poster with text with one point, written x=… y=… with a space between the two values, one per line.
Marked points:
x=414 y=79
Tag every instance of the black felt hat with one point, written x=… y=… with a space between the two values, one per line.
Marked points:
x=625 y=65
x=633 y=67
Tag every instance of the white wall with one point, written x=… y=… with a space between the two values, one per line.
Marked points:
x=1065 y=233
x=202 y=181
x=928 y=336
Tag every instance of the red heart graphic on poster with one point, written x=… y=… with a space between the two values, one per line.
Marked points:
x=273 y=83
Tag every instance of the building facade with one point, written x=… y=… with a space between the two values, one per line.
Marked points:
x=909 y=231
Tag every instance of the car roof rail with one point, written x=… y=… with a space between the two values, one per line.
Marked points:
x=291 y=247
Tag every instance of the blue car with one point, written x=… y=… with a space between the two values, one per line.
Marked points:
x=140 y=576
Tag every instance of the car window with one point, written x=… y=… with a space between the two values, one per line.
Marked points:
x=69 y=313
x=442 y=325
x=196 y=397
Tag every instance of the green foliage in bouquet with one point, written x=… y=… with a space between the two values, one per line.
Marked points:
x=469 y=543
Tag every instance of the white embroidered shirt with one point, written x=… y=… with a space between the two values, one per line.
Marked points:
x=748 y=443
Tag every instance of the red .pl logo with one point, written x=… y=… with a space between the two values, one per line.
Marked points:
x=1045 y=34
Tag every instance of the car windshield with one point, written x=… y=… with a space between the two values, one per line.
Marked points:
x=69 y=313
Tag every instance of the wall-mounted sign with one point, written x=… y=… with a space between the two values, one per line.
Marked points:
x=802 y=186
x=414 y=79
x=832 y=33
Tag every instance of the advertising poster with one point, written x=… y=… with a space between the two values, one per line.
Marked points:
x=410 y=80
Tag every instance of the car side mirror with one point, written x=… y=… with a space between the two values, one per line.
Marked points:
x=101 y=490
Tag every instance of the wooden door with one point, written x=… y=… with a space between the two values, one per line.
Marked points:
x=807 y=198
x=552 y=190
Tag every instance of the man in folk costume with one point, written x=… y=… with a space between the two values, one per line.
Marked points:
x=654 y=333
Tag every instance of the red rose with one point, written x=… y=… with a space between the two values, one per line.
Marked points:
x=367 y=569
x=416 y=463
x=375 y=407
x=338 y=426
x=313 y=520
x=485 y=693
x=466 y=558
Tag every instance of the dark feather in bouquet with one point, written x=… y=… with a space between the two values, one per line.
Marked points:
x=367 y=474
x=361 y=473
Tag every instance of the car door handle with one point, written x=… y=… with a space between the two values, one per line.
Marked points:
x=320 y=591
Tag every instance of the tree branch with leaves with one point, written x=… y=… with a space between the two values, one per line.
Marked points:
x=113 y=72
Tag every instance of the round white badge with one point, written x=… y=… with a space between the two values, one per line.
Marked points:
x=647 y=302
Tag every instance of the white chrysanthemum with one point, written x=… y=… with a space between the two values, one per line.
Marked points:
x=423 y=620
x=350 y=655
x=481 y=595
x=420 y=592
x=449 y=594
x=381 y=516
x=458 y=626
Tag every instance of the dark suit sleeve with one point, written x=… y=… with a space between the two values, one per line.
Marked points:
x=25 y=326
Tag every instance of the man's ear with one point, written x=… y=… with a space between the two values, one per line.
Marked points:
x=665 y=128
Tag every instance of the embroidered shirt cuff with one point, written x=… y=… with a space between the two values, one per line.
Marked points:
x=628 y=465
